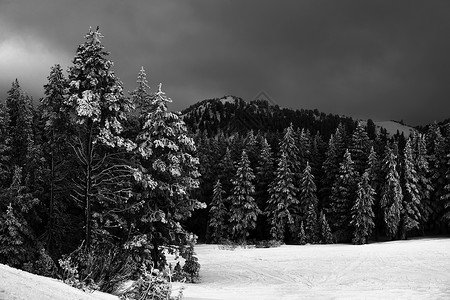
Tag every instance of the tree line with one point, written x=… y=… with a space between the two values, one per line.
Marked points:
x=297 y=187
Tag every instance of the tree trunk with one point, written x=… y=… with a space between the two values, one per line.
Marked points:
x=87 y=191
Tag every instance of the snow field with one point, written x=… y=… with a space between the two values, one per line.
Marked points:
x=413 y=269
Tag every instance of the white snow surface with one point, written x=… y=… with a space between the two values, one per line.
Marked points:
x=20 y=285
x=412 y=269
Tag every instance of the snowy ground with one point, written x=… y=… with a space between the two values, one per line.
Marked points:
x=414 y=269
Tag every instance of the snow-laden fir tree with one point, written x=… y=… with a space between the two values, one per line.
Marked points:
x=141 y=95
x=411 y=204
x=18 y=240
x=167 y=175
x=312 y=230
x=362 y=212
x=288 y=146
x=437 y=149
x=57 y=152
x=243 y=211
x=25 y=153
x=343 y=195
x=303 y=146
x=301 y=234
x=218 y=214
x=359 y=148
x=5 y=147
x=227 y=170
x=307 y=192
x=391 y=193
x=424 y=176
x=265 y=170
x=282 y=204
x=98 y=109
x=330 y=167
x=325 y=231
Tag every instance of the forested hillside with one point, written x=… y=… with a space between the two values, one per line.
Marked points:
x=311 y=174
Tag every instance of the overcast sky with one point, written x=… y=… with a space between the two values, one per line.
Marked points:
x=367 y=59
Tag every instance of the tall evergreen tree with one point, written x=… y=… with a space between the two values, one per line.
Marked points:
x=167 y=174
x=288 y=146
x=325 y=231
x=56 y=148
x=281 y=207
x=312 y=230
x=243 y=211
x=342 y=198
x=20 y=114
x=391 y=194
x=5 y=148
x=359 y=148
x=218 y=214
x=362 y=213
x=265 y=170
x=424 y=177
x=410 y=214
x=307 y=192
x=98 y=109
x=18 y=240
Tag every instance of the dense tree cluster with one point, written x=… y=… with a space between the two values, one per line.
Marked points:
x=93 y=178
x=362 y=184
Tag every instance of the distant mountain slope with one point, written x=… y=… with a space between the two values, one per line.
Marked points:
x=393 y=127
x=231 y=114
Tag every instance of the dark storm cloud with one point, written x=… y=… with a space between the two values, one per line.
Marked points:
x=369 y=59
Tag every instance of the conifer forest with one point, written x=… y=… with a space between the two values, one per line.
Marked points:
x=99 y=184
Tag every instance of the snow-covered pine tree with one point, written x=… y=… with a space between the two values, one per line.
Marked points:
x=301 y=235
x=288 y=146
x=325 y=231
x=5 y=148
x=437 y=158
x=281 y=206
x=307 y=194
x=362 y=213
x=167 y=175
x=218 y=214
x=20 y=114
x=330 y=167
x=227 y=170
x=343 y=195
x=18 y=240
x=424 y=177
x=56 y=150
x=391 y=194
x=98 y=108
x=410 y=213
x=303 y=146
x=243 y=211
x=359 y=148
x=265 y=170
x=141 y=95
x=312 y=231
